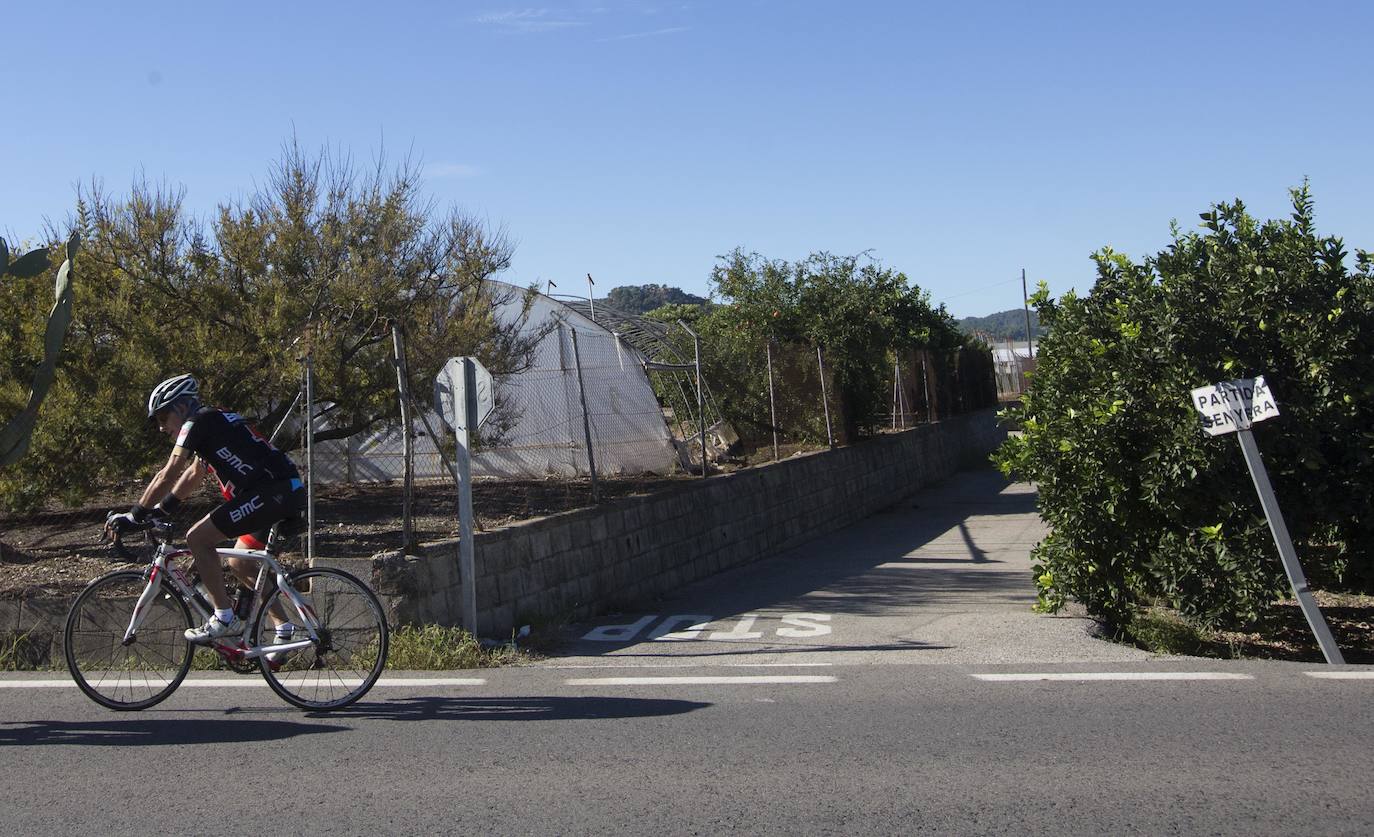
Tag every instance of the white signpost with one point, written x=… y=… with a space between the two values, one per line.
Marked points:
x=463 y=388
x=1235 y=407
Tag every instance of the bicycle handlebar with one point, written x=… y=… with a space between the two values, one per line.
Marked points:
x=159 y=529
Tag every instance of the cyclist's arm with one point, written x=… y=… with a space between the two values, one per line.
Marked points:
x=190 y=480
x=178 y=473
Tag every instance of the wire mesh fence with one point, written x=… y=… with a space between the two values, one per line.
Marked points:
x=592 y=405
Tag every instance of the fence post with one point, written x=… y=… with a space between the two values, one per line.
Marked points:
x=901 y=397
x=586 y=419
x=310 y=459
x=925 y=382
x=701 y=397
x=825 y=399
x=896 y=373
x=407 y=445
x=772 y=404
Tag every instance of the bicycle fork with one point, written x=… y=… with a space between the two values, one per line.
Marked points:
x=149 y=593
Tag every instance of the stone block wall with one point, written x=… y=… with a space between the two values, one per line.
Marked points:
x=576 y=564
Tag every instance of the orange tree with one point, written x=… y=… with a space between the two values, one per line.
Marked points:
x=1145 y=509
x=855 y=309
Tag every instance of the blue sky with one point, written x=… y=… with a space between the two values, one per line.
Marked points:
x=637 y=141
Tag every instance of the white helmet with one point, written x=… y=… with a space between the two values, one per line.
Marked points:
x=169 y=391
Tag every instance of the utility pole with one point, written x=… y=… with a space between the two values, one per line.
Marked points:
x=1025 y=301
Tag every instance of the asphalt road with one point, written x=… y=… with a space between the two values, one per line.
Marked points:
x=887 y=680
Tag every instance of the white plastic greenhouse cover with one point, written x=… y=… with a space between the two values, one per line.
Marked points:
x=545 y=433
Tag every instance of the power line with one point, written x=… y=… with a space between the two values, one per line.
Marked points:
x=978 y=290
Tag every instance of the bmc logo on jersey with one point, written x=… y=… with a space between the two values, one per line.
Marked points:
x=246 y=509
x=232 y=460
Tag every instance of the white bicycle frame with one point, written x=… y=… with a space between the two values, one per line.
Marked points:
x=163 y=566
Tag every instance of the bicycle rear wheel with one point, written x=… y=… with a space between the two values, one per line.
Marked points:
x=141 y=672
x=352 y=649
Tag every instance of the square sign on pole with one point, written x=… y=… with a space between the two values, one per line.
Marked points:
x=1235 y=407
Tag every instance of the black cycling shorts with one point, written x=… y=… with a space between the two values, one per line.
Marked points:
x=259 y=507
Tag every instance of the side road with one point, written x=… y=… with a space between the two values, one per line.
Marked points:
x=942 y=577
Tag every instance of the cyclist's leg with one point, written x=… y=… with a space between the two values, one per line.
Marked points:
x=250 y=511
x=247 y=571
x=244 y=569
x=257 y=512
x=202 y=538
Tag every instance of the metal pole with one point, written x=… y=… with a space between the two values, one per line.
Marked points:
x=825 y=399
x=1279 y=529
x=1025 y=301
x=310 y=459
x=895 y=372
x=772 y=404
x=701 y=398
x=465 y=406
x=925 y=384
x=407 y=445
x=901 y=397
x=591 y=303
x=282 y=423
x=586 y=419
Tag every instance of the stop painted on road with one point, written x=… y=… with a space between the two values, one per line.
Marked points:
x=689 y=626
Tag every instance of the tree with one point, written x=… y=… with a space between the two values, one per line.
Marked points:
x=323 y=259
x=1004 y=325
x=1143 y=508
x=638 y=299
x=855 y=309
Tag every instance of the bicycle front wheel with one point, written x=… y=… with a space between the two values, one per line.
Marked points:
x=142 y=671
x=351 y=651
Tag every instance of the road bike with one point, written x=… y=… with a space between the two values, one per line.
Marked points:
x=124 y=640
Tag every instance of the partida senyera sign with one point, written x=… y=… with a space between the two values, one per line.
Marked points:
x=1234 y=405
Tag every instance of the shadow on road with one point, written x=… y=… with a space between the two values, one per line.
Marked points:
x=940 y=546
x=130 y=733
x=515 y=709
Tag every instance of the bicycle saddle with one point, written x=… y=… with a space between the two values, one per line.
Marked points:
x=284 y=531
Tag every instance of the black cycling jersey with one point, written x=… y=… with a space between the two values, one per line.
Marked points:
x=233 y=451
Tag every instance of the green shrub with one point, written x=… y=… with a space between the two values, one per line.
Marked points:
x=1144 y=507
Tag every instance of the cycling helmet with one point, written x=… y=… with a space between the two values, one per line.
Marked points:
x=169 y=391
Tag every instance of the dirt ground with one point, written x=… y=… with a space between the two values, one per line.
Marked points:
x=1285 y=635
x=60 y=549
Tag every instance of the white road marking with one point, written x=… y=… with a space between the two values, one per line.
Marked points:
x=744 y=680
x=684 y=627
x=1341 y=675
x=431 y=681
x=690 y=665
x=251 y=683
x=1111 y=675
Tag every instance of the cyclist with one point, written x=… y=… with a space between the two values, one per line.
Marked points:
x=260 y=484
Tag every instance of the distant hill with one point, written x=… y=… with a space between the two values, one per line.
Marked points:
x=1004 y=325
x=637 y=299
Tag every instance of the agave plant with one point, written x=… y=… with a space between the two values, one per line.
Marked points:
x=14 y=436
